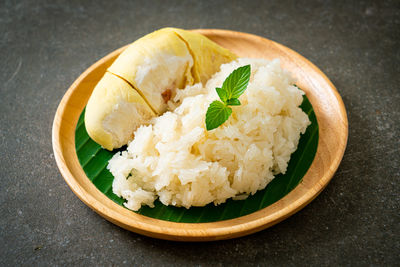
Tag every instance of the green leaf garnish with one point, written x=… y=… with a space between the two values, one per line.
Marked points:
x=217 y=114
x=222 y=94
x=233 y=87
x=233 y=102
x=237 y=82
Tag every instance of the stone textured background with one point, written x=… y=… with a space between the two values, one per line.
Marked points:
x=46 y=45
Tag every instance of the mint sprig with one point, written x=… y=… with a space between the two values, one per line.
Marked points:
x=234 y=86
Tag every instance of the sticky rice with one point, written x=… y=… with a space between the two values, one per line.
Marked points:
x=176 y=160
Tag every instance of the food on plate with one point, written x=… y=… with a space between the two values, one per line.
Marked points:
x=176 y=160
x=114 y=110
x=153 y=68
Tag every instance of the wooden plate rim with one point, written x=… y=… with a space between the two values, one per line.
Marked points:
x=261 y=219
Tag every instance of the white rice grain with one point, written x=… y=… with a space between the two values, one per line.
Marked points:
x=176 y=160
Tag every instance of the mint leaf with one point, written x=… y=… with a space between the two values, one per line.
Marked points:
x=217 y=114
x=233 y=87
x=237 y=82
x=233 y=102
x=222 y=94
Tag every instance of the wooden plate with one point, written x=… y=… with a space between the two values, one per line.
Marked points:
x=333 y=132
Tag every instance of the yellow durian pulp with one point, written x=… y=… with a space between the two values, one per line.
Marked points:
x=113 y=111
x=144 y=77
x=155 y=63
x=208 y=56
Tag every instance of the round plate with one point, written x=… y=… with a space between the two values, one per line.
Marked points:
x=333 y=132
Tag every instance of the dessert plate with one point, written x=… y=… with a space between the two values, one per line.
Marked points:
x=332 y=132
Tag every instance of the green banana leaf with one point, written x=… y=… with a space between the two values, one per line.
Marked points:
x=94 y=161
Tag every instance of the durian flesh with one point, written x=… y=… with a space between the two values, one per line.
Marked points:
x=139 y=83
x=155 y=63
x=113 y=110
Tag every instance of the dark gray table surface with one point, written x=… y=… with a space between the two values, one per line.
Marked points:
x=46 y=45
